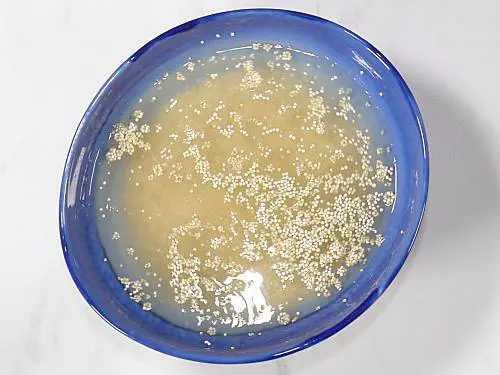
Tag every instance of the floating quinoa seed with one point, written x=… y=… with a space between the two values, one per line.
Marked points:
x=244 y=190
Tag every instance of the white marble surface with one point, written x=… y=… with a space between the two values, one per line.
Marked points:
x=440 y=316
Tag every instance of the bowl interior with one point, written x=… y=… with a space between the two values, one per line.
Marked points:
x=82 y=247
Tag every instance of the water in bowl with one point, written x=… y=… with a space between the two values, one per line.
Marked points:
x=244 y=190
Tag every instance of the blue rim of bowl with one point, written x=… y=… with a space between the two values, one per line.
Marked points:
x=370 y=300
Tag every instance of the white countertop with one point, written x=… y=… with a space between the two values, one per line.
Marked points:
x=442 y=313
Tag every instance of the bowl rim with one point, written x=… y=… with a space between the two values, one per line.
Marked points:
x=259 y=357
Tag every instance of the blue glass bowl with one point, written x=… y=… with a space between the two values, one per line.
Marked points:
x=83 y=250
